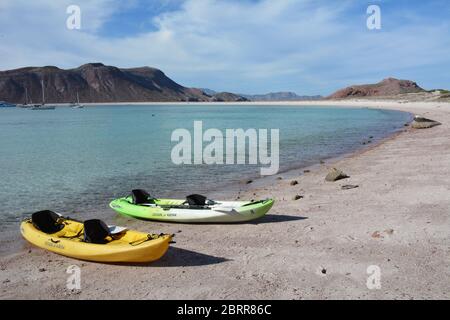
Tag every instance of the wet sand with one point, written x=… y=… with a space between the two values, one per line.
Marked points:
x=317 y=247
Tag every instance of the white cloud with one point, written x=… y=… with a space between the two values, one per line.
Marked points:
x=242 y=46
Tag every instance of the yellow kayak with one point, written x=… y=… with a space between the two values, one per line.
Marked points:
x=68 y=237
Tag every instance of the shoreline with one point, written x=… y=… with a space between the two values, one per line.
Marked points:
x=390 y=104
x=282 y=257
x=372 y=102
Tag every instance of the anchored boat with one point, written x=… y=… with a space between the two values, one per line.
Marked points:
x=92 y=240
x=42 y=106
x=194 y=209
x=77 y=105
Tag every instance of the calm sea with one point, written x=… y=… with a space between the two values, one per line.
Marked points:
x=78 y=160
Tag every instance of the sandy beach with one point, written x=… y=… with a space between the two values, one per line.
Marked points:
x=317 y=247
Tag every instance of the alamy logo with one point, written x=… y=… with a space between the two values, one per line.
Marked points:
x=237 y=142
x=374 y=279
x=74 y=280
x=74 y=20
x=374 y=19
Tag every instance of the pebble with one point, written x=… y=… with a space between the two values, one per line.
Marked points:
x=377 y=234
x=349 y=186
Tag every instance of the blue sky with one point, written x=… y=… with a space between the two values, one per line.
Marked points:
x=250 y=46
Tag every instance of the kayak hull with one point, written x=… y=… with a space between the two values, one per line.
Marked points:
x=223 y=212
x=119 y=251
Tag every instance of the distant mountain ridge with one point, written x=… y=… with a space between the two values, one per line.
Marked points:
x=280 y=96
x=272 y=96
x=388 y=87
x=96 y=82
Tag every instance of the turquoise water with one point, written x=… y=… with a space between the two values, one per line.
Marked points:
x=78 y=160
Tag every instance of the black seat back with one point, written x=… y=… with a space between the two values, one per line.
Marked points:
x=196 y=200
x=95 y=231
x=47 y=221
x=141 y=197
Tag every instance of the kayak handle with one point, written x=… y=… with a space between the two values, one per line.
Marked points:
x=54 y=241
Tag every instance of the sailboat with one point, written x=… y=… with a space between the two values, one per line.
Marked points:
x=42 y=106
x=24 y=105
x=77 y=105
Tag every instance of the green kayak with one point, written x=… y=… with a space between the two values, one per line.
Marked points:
x=193 y=209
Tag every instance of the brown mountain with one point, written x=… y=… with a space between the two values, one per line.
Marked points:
x=94 y=82
x=387 y=87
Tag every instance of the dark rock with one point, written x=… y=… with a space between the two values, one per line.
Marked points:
x=298 y=197
x=294 y=183
x=349 y=186
x=422 y=119
x=335 y=175
x=424 y=123
x=249 y=181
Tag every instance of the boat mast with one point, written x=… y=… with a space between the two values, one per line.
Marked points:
x=43 y=96
x=43 y=92
x=26 y=96
x=78 y=99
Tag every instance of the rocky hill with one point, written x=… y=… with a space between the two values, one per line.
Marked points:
x=227 y=96
x=387 y=88
x=95 y=82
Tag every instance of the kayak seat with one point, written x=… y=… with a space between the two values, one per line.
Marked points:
x=47 y=221
x=196 y=200
x=141 y=197
x=96 y=231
